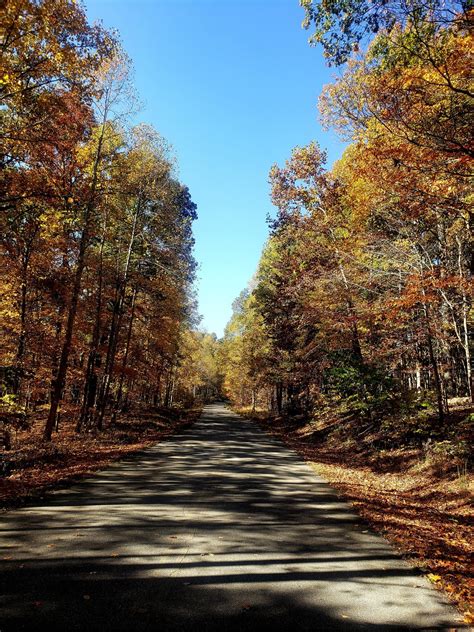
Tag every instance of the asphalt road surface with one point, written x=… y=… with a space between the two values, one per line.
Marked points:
x=221 y=528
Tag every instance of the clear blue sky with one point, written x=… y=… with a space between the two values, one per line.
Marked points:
x=233 y=86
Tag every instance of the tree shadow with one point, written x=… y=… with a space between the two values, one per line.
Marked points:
x=220 y=528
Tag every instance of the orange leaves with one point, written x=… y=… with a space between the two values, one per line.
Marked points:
x=94 y=214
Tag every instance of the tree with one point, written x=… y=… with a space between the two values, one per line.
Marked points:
x=365 y=287
x=341 y=26
x=97 y=235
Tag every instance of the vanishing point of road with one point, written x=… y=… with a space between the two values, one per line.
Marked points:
x=220 y=528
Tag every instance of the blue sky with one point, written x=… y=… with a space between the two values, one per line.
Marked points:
x=233 y=86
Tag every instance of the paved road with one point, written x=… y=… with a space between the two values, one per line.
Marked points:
x=221 y=528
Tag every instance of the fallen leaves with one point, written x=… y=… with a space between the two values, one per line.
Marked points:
x=35 y=467
x=469 y=617
x=428 y=519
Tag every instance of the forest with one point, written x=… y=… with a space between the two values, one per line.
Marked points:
x=98 y=307
x=363 y=294
x=355 y=336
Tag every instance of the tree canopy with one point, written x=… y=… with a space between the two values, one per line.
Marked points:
x=363 y=296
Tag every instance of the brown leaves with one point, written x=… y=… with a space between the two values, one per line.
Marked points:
x=428 y=519
x=36 y=467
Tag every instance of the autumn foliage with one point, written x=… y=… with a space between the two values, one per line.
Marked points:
x=354 y=341
x=96 y=229
x=362 y=302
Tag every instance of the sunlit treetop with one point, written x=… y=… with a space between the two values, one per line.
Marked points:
x=341 y=25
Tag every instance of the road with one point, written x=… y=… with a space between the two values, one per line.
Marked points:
x=221 y=528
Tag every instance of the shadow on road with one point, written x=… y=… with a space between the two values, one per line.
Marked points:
x=220 y=528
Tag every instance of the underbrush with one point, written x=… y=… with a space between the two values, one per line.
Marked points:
x=410 y=438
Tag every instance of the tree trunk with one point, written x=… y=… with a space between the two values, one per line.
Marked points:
x=90 y=382
x=436 y=373
x=125 y=357
x=115 y=328
x=279 y=397
x=60 y=379
x=21 y=349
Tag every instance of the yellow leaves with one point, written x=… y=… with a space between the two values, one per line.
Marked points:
x=469 y=617
x=105 y=141
x=51 y=221
x=434 y=578
x=5 y=79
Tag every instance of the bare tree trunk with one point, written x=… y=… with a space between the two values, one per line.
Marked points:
x=21 y=349
x=434 y=365
x=115 y=328
x=22 y=337
x=254 y=399
x=60 y=379
x=279 y=397
x=125 y=357
x=467 y=333
x=169 y=388
x=90 y=382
